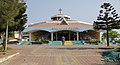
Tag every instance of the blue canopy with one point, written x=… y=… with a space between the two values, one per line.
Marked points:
x=56 y=29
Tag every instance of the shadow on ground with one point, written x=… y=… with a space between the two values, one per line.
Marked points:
x=109 y=63
x=72 y=48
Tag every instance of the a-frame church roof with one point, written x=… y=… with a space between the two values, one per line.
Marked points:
x=61 y=21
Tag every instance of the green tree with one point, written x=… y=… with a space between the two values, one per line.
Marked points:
x=112 y=34
x=107 y=20
x=9 y=9
x=20 y=20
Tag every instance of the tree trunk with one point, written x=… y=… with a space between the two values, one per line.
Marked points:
x=107 y=37
x=3 y=45
x=6 y=37
x=107 y=34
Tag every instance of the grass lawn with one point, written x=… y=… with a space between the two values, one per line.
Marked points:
x=8 y=48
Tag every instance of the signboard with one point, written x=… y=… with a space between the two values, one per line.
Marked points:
x=69 y=28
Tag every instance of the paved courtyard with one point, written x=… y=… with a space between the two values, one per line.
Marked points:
x=55 y=55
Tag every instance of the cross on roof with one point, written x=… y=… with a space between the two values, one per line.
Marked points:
x=60 y=10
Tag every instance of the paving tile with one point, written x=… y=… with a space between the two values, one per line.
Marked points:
x=55 y=55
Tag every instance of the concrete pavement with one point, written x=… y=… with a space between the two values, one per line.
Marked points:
x=56 y=55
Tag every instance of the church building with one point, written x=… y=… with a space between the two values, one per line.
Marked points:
x=61 y=25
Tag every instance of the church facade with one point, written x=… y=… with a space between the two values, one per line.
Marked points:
x=61 y=25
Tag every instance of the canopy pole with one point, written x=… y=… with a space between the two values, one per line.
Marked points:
x=51 y=36
x=77 y=36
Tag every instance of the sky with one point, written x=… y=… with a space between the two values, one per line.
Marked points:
x=81 y=10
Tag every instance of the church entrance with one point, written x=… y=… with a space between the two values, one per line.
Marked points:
x=69 y=35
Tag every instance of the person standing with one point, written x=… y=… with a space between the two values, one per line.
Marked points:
x=63 y=40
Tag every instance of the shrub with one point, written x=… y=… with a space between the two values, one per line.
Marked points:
x=8 y=48
x=118 y=41
x=36 y=42
x=45 y=41
x=40 y=42
x=93 y=41
x=117 y=49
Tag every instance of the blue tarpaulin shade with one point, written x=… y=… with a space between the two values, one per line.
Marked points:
x=56 y=29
